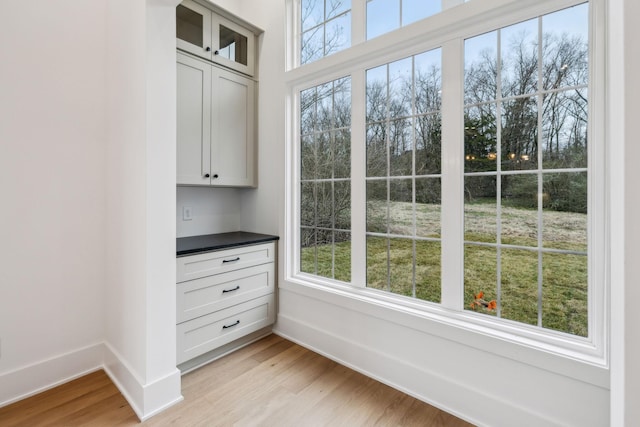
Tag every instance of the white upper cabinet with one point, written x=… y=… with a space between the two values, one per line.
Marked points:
x=205 y=33
x=215 y=125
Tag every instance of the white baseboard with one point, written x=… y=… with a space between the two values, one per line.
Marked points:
x=146 y=400
x=426 y=385
x=38 y=377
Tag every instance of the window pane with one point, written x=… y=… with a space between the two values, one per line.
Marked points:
x=401 y=88
x=480 y=70
x=324 y=155
x=312 y=45
x=337 y=7
x=342 y=204
x=377 y=206
x=480 y=212
x=565 y=44
x=520 y=134
x=401 y=207
x=519 y=46
x=401 y=147
x=428 y=136
x=312 y=13
x=308 y=161
x=382 y=17
x=308 y=250
x=342 y=103
x=519 y=285
x=337 y=34
x=324 y=205
x=519 y=210
x=564 y=119
x=428 y=272
x=565 y=293
x=401 y=266
x=414 y=10
x=308 y=203
x=480 y=138
x=342 y=153
x=428 y=201
x=377 y=265
x=377 y=94
x=377 y=149
x=565 y=211
x=342 y=256
x=480 y=278
x=324 y=253
x=428 y=81
x=307 y=111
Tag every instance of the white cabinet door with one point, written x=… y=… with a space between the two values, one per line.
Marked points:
x=193 y=121
x=233 y=45
x=215 y=125
x=193 y=28
x=233 y=145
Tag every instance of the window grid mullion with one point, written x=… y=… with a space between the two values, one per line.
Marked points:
x=540 y=166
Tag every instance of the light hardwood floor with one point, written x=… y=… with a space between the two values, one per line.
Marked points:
x=272 y=382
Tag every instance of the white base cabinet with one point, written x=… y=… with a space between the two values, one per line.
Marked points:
x=222 y=296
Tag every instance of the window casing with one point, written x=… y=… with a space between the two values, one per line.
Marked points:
x=588 y=345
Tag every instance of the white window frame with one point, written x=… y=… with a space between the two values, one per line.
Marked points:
x=448 y=31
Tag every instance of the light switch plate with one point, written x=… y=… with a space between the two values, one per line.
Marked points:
x=187 y=213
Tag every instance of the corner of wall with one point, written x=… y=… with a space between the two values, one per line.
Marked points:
x=146 y=399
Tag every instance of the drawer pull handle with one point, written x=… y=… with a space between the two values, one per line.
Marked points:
x=231 y=325
x=224 y=291
x=231 y=260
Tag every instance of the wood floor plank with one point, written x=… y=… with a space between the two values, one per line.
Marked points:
x=272 y=382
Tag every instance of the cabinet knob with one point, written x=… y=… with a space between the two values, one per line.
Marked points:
x=217 y=52
x=206 y=175
x=208 y=49
x=215 y=176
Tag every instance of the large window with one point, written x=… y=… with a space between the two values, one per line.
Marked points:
x=463 y=175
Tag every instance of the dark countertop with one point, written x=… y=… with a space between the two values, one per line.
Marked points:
x=212 y=242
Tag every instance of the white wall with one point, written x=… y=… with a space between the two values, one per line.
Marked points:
x=214 y=210
x=625 y=292
x=52 y=180
x=140 y=291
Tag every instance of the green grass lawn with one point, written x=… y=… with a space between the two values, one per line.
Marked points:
x=391 y=266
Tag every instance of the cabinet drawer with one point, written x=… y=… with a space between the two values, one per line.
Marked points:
x=199 y=297
x=201 y=265
x=205 y=333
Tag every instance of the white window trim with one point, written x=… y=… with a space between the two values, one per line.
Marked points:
x=448 y=319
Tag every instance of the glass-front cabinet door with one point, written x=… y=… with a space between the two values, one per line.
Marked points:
x=205 y=33
x=193 y=28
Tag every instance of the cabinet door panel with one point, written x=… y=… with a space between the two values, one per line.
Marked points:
x=233 y=44
x=193 y=121
x=193 y=29
x=233 y=136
